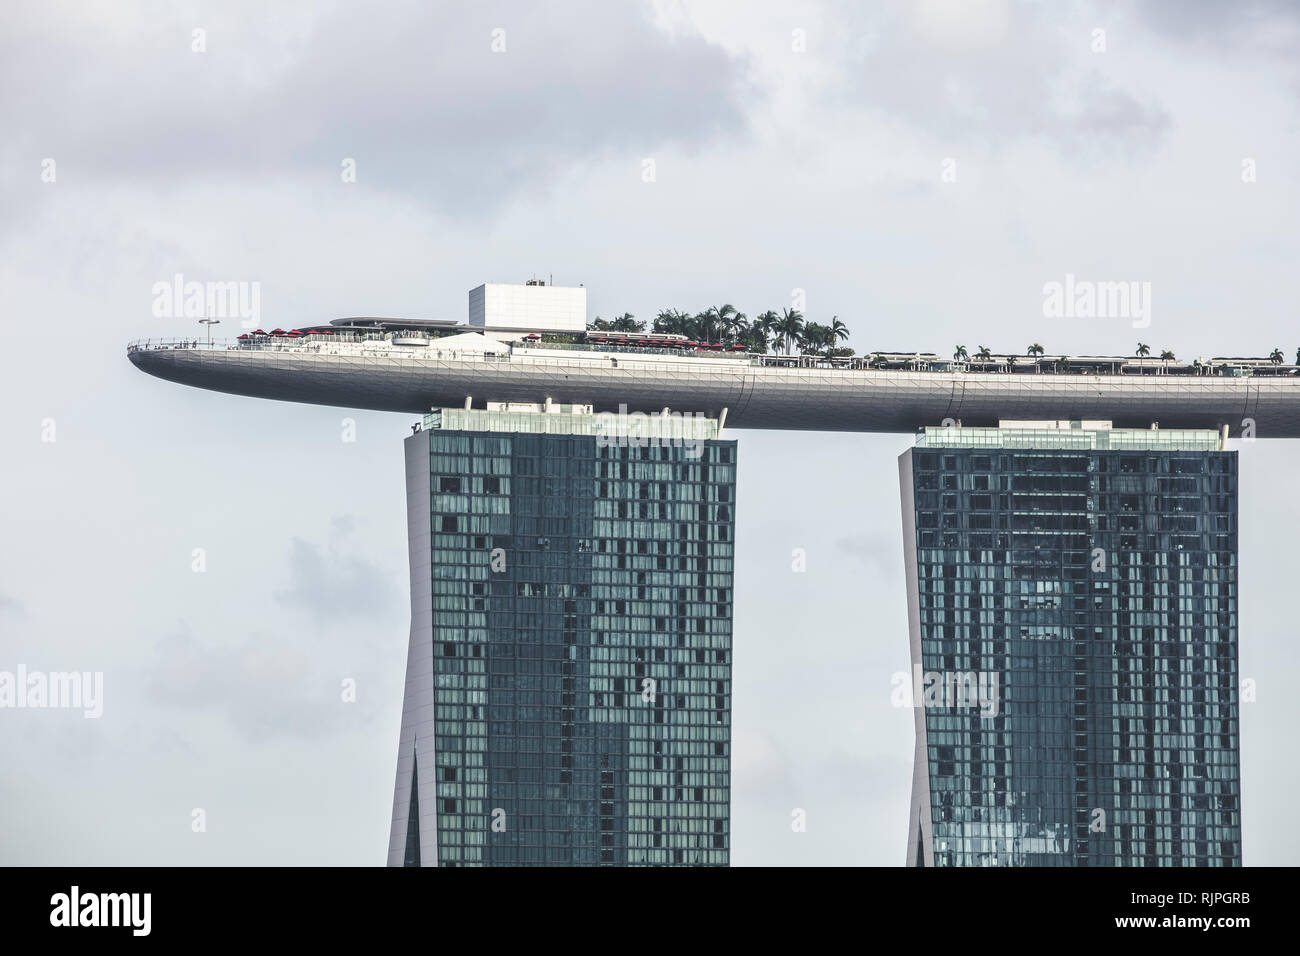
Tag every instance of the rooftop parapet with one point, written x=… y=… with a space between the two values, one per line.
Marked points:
x=621 y=428
x=1070 y=435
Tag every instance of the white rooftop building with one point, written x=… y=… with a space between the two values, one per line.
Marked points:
x=533 y=306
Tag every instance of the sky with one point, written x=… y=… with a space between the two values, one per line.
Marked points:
x=920 y=170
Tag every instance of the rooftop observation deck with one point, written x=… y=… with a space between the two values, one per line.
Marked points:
x=413 y=370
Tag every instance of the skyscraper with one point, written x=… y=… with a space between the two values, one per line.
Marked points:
x=1072 y=605
x=568 y=691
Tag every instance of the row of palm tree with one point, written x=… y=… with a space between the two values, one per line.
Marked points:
x=1035 y=350
x=788 y=333
x=785 y=332
x=1166 y=356
x=624 y=323
x=1277 y=357
x=960 y=354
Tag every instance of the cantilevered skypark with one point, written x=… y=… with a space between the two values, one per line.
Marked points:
x=515 y=353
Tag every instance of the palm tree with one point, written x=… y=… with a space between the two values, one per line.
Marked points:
x=1297 y=356
x=672 y=322
x=788 y=329
x=984 y=353
x=626 y=323
x=877 y=360
x=731 y=323
x=752 y=335
x=718 y=315
x=960 y=354
x=1276 y=357
x=706 y=324
x=839 y=331
x=1011 y=362
x=1035 y=350
x=1143 y=350
x=1166 y=357
x=763 y=328
x=815 y=337
x=825 y=340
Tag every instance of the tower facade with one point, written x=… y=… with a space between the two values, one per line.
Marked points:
x=1072 y=607
x=568 y=692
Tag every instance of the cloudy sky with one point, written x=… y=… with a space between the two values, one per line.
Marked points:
x=919 y=169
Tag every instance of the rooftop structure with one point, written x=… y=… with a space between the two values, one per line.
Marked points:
x=532 y=306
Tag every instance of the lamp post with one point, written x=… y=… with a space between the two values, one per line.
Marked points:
x=209 y=323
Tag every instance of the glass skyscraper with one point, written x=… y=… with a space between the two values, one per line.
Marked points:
x=1072 y=605
x=568 y=698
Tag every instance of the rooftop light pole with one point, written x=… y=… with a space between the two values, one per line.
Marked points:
x=209 y=323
